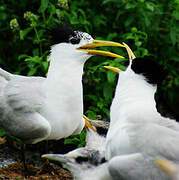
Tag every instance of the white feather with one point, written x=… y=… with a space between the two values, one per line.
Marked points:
x=36 y=108
x=137 y=128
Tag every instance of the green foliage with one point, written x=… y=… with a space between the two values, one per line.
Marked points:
x=2 y=133
x=77 y=139
x=148 y=27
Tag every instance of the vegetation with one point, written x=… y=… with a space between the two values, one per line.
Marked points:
x=149 y=27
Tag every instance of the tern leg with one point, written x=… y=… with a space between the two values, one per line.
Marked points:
x=23 y=159
x=46 y=151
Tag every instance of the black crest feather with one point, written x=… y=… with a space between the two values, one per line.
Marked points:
x=147 y=66
x=61 y=34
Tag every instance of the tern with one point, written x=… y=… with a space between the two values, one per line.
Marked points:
x=37 y=108
x=34 y=109
x=138 y=134
x=88 y=163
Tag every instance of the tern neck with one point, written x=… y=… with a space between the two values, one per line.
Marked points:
x=133 y=93
x=64 y=96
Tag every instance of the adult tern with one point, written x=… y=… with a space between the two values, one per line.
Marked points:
x=37 y=108
x=138 y=134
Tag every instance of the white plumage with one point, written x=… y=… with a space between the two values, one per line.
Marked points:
x=138 y=134
x=84 y=163
x=37 y=108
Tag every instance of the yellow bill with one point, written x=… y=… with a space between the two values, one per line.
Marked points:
x=115 y=69
x=88 y=124
x=99 y=43
x=167 y=166
x=129 y=52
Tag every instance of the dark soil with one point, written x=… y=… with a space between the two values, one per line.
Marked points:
x=11 y=166
x=16 y=171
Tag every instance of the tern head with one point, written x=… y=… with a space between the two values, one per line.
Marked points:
x=147 y=67
x=77 y=161
x=69 y=44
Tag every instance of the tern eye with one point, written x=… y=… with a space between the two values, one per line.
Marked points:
x=75 y=40
x=81 y=159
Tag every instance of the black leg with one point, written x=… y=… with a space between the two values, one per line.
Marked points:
x=23 y=159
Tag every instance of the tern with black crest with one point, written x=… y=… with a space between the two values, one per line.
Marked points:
x=37 y=108
x=138 y=134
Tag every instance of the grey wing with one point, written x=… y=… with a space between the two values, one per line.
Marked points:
x=134 y=167
x=125 y=167
x=21 y=100
x=25 y=93
x=155 y=140
x=167 y=143
x=170 y=123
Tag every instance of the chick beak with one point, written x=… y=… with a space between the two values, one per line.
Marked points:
x=115 y=69
x=55 y=157
x=88 y=124
x=99 y=43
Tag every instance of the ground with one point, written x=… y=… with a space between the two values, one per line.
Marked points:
x=11 y=166
x=16 y=171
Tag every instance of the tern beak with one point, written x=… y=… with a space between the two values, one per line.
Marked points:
x=129 y=52
x=115 y=69
x=167 y=166
x=55 y=157
x=99 y=43
x=88 y=124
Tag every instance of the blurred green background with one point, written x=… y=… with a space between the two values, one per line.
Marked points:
x=149 y=27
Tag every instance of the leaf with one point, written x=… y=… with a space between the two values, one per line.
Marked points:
x=108 y=1
x=176 y=59
x=35 y=59
x=2 y=132
x=130 y=6
x=111 y=36
x=138 y=43
x=35 y=52
x=52 y=10
x=23 y=33
x=173 y=35
x=150 y=6
x=45 y=66
x=107 y=91
x=91 y=97
x=176 y=14
x=43 y=6
x=147 y=20
x=22 y=56
x=111 y=76
x=100 y=104
x=90 y=114
x=71 y=140
x=32 y=71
